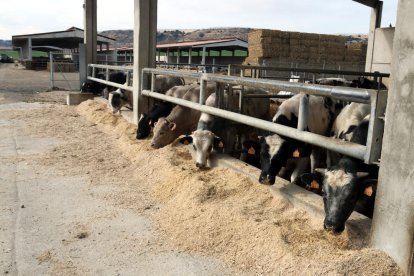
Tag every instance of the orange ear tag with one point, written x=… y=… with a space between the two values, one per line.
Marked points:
x=368 y=191
x=296 y=154
x=251 y=151
x=220 y=144
x=314 y=185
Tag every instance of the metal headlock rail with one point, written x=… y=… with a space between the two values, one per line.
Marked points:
x=370 y=153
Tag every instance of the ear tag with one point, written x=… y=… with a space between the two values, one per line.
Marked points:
x=314 y=185
x=251 y=151
x=186 y=142
x=368 y=191
x=296 y=154
x=220 y=144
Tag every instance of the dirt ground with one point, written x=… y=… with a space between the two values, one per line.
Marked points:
x=105 y=203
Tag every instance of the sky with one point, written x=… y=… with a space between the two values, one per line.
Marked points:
x=317 y=16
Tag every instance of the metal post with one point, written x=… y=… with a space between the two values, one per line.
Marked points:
x=203 y=85
x=52 y=83
x=303 y=112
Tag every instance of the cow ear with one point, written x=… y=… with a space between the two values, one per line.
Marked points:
x=186 y=140
x=172 y=126
x=218 y=143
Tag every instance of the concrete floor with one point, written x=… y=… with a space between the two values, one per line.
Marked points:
x=42 y=232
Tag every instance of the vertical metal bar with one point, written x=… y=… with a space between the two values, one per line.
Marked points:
x=153 y=79
x=93 y=72
x=107 y=74
x=229 y=68
x=376 y=127
x=242 y=72
x=128 y=78
x=241 y=96
x=203 y=85
x=303 y=112
x=52 y=81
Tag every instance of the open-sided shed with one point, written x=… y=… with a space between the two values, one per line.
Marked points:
x=54 y=41
x=393 y=221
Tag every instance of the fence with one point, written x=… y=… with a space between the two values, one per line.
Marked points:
x=369 y=153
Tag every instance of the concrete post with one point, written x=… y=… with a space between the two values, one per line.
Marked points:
x=190 y=54
x=27 y=49
x=145 y=34
x=393 y=221
x=178 y=55
x=375 y=22
x=203 y=58
x=90 y=32
x=168 y=56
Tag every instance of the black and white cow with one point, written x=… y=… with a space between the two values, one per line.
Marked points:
x=343 y=187
x=93 y=87
x=276 y=150
x=117 y=77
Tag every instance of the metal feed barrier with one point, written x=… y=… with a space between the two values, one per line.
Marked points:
x=370 y=153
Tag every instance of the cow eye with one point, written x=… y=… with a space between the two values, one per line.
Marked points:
x=161 y=133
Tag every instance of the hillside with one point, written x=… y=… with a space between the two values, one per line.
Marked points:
x=124 y=37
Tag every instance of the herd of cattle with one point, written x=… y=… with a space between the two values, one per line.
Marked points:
x=345 y=183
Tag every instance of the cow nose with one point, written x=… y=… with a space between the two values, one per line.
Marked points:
x=199 y=165
x=153 y=146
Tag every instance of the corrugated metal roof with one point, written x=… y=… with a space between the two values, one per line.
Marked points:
x=188 y=44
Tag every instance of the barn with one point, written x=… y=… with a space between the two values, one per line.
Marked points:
x=392 y=223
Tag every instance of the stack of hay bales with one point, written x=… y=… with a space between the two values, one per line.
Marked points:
x=275 y=47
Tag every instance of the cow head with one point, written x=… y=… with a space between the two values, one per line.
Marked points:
x=117 y=100
x=164 y=133
x=341 y=190
x=270 y=149
x=204 y=141
x=274 y=153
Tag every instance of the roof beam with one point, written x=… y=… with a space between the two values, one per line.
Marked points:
x=369 y=3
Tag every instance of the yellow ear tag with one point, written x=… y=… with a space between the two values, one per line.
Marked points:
x=314 y=184
x=296 y=154
x=368 y=191
x=251 y=151
x=220 y=144
x=186 y=142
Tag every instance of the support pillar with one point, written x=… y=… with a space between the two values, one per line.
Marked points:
x=145 y=33
x=88 y=49
x=393 y=220
x=178 y=55
x=190 y=54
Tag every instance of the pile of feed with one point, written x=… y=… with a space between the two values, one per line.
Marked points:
x=216 y=212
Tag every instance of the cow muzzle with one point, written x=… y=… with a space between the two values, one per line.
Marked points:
x=200 y=165
x=335 y=230
x=267 y=179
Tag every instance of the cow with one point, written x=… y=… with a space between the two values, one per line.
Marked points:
x=216 y=133
x=181 y=120
x=90 y=86
x=117 y=77
x=158 y=110
x=275 y=150
x=345 y=123
x=343 y=185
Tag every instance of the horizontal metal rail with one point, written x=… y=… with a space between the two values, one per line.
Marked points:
x=337 y=92
x=316 y=71
x=353 y=150
x=114 y=84
x=111 y=67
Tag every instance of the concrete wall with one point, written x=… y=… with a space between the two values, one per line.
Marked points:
x=382 y=55
x=393 y=221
